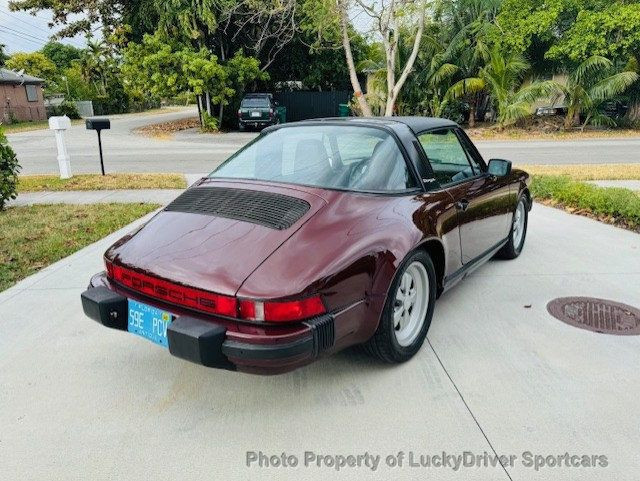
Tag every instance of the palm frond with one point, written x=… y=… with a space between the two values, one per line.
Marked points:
x=594 y=64
x=538 y=90
x=513 y=112
x=445 y=71
x=601 y=120
x=612 y=86
x=465 y=87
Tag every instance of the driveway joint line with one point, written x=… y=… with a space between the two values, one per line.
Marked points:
x=469 y=409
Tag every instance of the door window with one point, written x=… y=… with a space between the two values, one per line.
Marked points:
x=446 y=155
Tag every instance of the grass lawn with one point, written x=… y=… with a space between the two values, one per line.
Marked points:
x=28 y=126
x=587 y=171
x=616 y=206
x=34 y=237
x=38 y=183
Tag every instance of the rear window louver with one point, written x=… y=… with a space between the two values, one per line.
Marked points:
x=275 y=211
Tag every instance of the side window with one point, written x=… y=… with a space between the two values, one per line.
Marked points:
x=477 y=166
x=446 y=155
x=32 y=93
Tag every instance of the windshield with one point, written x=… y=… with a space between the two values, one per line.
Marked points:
x=328 y=156
x=255 y=102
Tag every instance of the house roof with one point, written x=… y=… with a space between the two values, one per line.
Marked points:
x=10 y=77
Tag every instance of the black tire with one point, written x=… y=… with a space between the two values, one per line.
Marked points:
x=510 y=250
x=383 y=344
x=241 y=128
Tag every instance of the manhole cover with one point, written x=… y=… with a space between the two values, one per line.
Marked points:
x=598 y=315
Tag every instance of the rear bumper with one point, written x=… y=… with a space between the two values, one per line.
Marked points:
x=219 y=343
x=257 y=122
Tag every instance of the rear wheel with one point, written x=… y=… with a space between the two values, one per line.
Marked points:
x=407 y=312
x=513 y=247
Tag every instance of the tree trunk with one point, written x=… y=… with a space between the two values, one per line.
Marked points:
x=393 y=86
x=391 y=103
x=199 y=103
x=570 y=118
x=472 y=113
x=208 y=100
x=353 y=76
x=220 y=116
x=633 y=114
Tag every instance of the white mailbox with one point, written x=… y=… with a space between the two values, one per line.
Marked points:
x=59 y=125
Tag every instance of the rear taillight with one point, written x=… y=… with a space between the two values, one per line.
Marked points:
x=109 y=266
x=245 y=309
x=239 y=113
x=281 y=311
x=174 y=293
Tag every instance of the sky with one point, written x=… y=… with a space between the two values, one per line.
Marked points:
x=22 y=32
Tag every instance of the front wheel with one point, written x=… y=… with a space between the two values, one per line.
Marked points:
x=513 y=247
x=407 y=312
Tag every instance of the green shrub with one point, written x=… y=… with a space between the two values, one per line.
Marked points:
x=621 y=204
x=209 y=122
x=65 y=108
x=9 y=169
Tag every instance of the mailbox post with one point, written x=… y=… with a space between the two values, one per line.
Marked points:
x=59 y=125
x=99 y=125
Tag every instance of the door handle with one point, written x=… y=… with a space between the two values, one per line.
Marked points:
x=462 y=205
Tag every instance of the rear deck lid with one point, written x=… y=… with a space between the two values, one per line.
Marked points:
x=215 y=235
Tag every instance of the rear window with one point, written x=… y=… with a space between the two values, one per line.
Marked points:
x=255 y=102
x=329 y=156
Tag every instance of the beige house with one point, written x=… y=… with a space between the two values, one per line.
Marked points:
x=21 y=97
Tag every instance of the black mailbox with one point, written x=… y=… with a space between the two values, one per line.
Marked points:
x=98 y=124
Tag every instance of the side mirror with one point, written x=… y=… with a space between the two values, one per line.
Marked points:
x=499 y=167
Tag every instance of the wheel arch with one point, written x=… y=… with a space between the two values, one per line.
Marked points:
x=527 y=195
x=435 y=249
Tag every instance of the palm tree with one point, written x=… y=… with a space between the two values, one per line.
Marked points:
x=502 y=77
x=93 y=64
x=589 y=86
x=424 y=93
x=469 y=23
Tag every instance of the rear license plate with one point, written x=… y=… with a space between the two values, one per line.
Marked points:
x=255 y=114
x=149 y=322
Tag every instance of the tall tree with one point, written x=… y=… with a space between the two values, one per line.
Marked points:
x=589 y=85
x=329 y=21
x=469 y=24
x=503 y=78
x=33 y=63
x=60 y=54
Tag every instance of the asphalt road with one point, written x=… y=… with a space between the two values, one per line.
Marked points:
x=498 y=374
x=190 y=152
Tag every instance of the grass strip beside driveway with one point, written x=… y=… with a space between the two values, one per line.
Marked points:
x=587 y=171
x=612 y=205
x=33 y=237
x=39 y=183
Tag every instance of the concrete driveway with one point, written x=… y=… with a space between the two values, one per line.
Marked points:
x=190 y=152
x=79 y=401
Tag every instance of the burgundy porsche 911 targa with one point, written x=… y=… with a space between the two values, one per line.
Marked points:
x=316 y=236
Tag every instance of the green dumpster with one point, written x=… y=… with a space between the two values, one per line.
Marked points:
x=343 y=110
x=281 y=112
